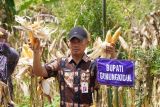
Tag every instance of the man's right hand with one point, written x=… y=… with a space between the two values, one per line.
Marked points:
x=36 y=47
x=38 y=69
x=36 y=44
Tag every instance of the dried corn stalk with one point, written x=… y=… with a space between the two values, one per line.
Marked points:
x=5 y=97
x=146 y=37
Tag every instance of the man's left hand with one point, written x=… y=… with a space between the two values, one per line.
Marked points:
x=111 y=50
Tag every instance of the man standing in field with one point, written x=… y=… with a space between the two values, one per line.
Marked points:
x=76 y=73
x=8 y=60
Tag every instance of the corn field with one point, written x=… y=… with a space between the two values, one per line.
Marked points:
x=140 y=43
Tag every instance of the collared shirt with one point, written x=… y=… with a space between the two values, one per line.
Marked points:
x=79 y=79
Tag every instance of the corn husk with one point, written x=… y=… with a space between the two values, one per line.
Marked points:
x=25 y=88
x=26 y=51
x=123 y=43
x=46 y=85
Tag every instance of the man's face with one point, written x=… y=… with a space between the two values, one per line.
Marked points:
x=77 y=46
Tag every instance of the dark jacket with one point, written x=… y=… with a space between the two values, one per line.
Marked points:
x=12 y=59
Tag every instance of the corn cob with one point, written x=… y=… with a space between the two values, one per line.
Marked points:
x=32 y=38
x=108 y=37
x=116 y=35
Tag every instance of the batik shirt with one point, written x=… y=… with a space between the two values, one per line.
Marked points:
x=76 y=81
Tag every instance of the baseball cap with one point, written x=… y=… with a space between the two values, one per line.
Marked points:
x=77 y=32
x=3 y=33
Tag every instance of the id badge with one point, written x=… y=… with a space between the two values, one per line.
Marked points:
x=84 y=87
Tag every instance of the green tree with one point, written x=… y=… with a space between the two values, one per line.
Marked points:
x=7 y=12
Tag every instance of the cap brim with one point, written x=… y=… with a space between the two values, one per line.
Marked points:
x=76 y=36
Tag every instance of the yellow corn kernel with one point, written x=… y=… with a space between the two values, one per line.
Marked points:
x=108 y=37
x=116 y=35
